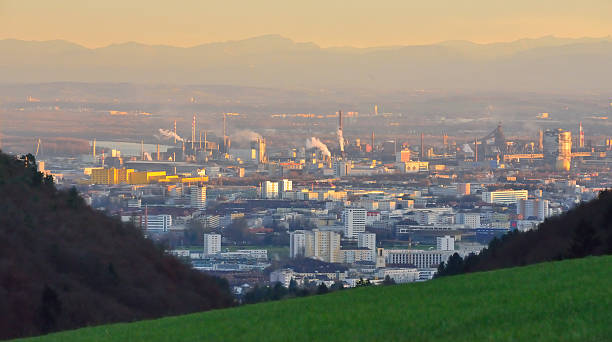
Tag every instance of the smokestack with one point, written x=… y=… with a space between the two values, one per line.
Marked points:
x=340 y=119
x=175 y=132
x=93 y=149
x=224 y=128
x=541 y=140
x=422 y=147
x=581 y=137
x=193 y=129
x=142 y=156
x=372 y=141
x=475 y=150
x=200 y=140
x=205 y=141
x=158 y=158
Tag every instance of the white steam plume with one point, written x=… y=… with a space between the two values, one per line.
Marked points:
x=341 y=140
x=316 y=143
x=245 y=136
x=166 y=134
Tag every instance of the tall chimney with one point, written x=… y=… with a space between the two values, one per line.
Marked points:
x=581 y=137
x=422 y=147
x=372 y=141
x=193 y=130
x=340 y=119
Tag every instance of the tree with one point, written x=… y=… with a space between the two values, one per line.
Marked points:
x=322 y=289
x=237 y=231
x=194 y=234
x=584 y=241
x=388 y=280
x=293 y=286
x=363 y=283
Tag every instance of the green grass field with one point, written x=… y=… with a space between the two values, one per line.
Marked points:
x=559 y=301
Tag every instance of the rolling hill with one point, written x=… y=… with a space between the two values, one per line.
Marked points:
x=64 y=265
x=557 y=301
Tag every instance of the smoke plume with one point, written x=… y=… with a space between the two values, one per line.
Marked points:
x=316 y=143
x=166 y=134
x=341 y=140
x=245 y=136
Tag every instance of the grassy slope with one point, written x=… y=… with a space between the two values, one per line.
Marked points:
x=558 y=301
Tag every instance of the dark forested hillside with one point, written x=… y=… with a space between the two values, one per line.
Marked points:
x=64 y=265
x=582 y=231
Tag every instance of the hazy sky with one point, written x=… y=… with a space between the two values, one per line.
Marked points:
x=325 y=22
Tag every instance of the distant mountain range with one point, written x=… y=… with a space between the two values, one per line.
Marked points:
x=547 y=63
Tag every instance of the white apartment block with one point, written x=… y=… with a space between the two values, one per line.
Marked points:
x=445 y=243
x=353 y=255
x=212 y=244
x=316 y=244
x=354 y=222
x=156 y=223
x=367 y=240
x=417 y=258
x=285 y=185
x=297 y=244
x=471 y=220
x=400 y=275
x=270 y=190
x=503 y=196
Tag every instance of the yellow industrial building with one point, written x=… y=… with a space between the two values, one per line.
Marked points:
x=113 y=176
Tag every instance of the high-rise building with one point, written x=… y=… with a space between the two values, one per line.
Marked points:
x=529 y=208
x=557 y=148
x=270 y=189
x=341 y=168
x=212 y=244
x=297 y=244
x=258 y=151
x=368 y=240
x=445 y=243
x=316 y=244
x=198 y=197
x=285 y=185
x=354 y=222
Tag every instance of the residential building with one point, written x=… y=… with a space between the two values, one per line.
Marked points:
x=471 y=220
x=198 y=197
x=445 y=243
x=354 y=222
x=503 y=196
x=270 y=189
x=297 y=244
x=212 y=244
x=156 y=223
x=537 y=208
